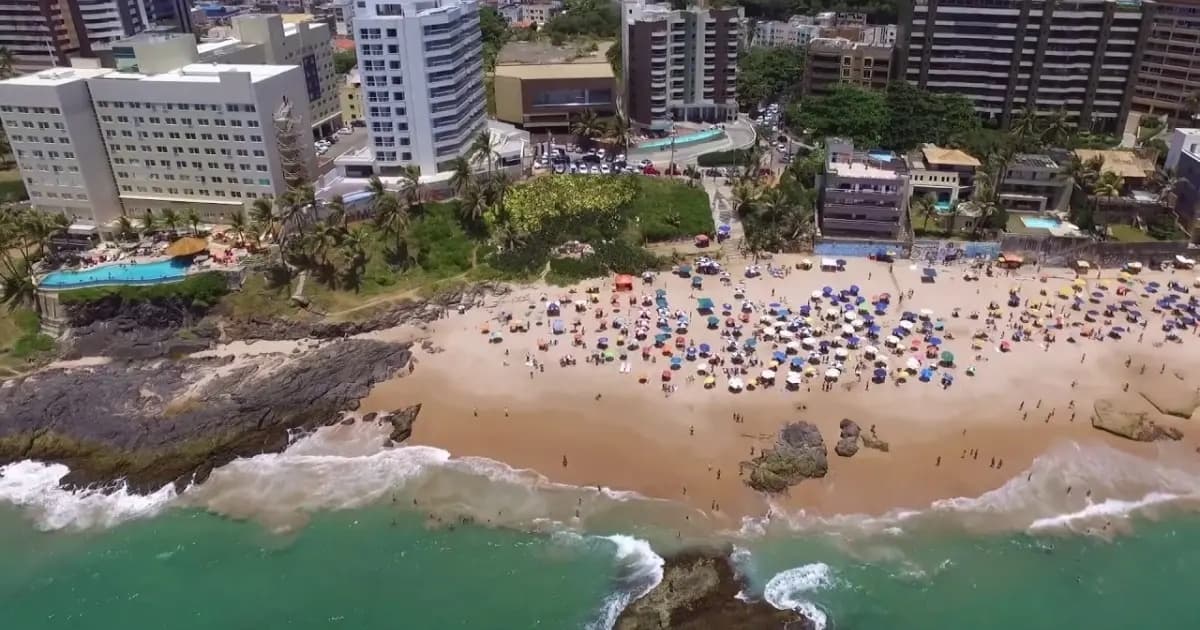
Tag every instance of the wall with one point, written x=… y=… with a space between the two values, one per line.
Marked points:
x=859 y=248
x=1058 y=252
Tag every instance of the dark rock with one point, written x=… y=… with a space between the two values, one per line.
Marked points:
x=698 y=592
x=113 y=327
x=846 y=447
x=348 y=421
x=799 y=454
x=402 y=423
x=849 y=428
x=370 y=417
x=151 y=423
x=1131 y=423
x=870 y=440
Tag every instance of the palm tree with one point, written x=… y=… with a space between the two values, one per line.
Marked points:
x=1058 y=129
x=587 y=127
x=149 y=222
x=1025 y=126
x=392 y=218
x=986 y=210
x=262 y=217
x=410 y=176
x=618 y=128
x=170 y=219
x=325 y=237
x=482 y=147
x=238 y=224
x=472 y=203
x=354 y=250
x=743 y=196
x=193 y=220
x=463 y=177
x=125 y=228
x=1191 y=105
x=924 y=207
x=1165 y=184
x=772 y=204
x=1109 y=185
x=17 y=288
x=6 y=63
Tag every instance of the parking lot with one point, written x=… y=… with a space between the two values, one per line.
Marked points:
x=564 y=159
x=355 y=139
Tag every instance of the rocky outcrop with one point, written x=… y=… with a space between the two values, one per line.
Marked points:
x=402 y=421
x=873 y=441
x=698 y=592
x=1131 y=424
x=154 y=422
x=113 y=327
x=847 y=444
x=799 y=454
x=389 y=316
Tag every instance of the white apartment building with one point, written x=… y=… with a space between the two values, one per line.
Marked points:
x=203 y=136
x=796 y=32
x=93 y=143
x=421 y=63
x=56 y=141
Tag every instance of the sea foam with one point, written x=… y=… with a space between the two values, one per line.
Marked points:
x=34 y=487
x=640 y=570
x=786 y=590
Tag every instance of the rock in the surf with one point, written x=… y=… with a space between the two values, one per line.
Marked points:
x=799 y=454
x=402 y=421
x=699 y=591
x=847 y=444
x=1130 y=423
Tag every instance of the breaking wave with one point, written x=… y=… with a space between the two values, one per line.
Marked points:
x=786 y=590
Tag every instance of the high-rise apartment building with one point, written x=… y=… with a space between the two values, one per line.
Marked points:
x=1012 y=55
x=44 y=33
x=835 y=61
x=1168 y=78
x=796 y=32
x=679 y=64
x=92 y=143
x=421 y=64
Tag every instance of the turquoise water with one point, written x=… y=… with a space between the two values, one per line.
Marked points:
x=699 y=136
x=942 y=206
x=1042 y=223
x=381 y=568
x=118 y=273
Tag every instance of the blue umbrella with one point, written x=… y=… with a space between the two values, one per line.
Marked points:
x=676 y=362
x=705 y=348
x=880 y=373
x=1153 y=283
x=798 y=363
x=854 y=341
x=779 y=356
x=805 y=310
x=860 y=299
x=926 y=374
x=854 y=289
x=827 y=291
x=935 y=341
x=899 y=332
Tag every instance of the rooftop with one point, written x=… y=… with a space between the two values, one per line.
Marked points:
x=556 y=71
x=861 y=168
x=516 y=53
x=202 y=73
x=1123 y=163
x=56 y=76
x=1034 y=160
x=948 y=157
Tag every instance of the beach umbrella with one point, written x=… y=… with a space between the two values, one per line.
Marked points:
x=702 y=368
x=793 y=346
x=827 y=290
x=854 y=289
x=892 y=340
x=847 y=329
x=935 y=341
x=787 y=334
x=816 y=295
x=709 y=382
x=926 y=313
x=926 y=375
x=832 y=374
x=778 y=356
x=948 y=358
x=808 y=342
x=841 y=353
x=735 y=384
x=794 y=378
x=870 y=351
x=853 y=341
x=913 y=364
x=810 y=370
x=880 y=374
x=666 y=375
x=602 y=342
x=768 y=375
x=797 y=363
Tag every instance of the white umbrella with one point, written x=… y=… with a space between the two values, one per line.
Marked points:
x=793 y=346
x=881 y=361
x=892 y=340
x=832 y=373
x=767 y=319
x=702 y=368
x=913 y=364
x=841 y=353
x=809 y=342
x=735 y=384
x=794 y=378
x=849 y=316
x=926 y=313
x=858 y=323
x=832 y=313
x=816 y=295
x=906 y=325
x=847 y=329
x=768 y=375
x=787 y=334
x=871 y=351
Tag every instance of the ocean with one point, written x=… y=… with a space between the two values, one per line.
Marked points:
x=352 y=550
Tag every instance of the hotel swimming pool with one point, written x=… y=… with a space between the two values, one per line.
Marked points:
x=1041 y=223
x=118 y=273
x=700 y=136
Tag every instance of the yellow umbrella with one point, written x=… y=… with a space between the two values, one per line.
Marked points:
x=810 y=370
x=187 y=246
x=710 y=381
x=1080 y=282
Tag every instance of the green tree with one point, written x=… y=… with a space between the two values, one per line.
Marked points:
x=587 y=126
x=193 y=220
x=1058 y=129
x=917 y=116
x=262 y=218
x=595 y=18
x=337 y=211
x=125 y=229
x=392 y=218
x=495 y=32
x=923 y=206
x=149 y=222
x=344 y=61
x=238 y=224
x=170 y=219
x=848 y=112
x=769 y=74
x=463 y=177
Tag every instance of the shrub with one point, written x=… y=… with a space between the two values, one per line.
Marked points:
x=667 y=210
x=200 y=291
x=734 y=157
x=439 y=243
x=549 y=197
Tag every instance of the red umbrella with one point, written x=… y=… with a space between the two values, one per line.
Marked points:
x=666 y=375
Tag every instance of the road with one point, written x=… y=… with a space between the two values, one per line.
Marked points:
x=355 y=140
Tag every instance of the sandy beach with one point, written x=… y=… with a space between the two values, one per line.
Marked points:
x=589 y=424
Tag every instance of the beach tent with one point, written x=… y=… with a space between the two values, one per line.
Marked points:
x=557 y=326
x=624 y=282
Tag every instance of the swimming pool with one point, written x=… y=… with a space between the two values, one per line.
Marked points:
x=699 y=136
x=942 y=206
x=1040 y=223
x=118 y=273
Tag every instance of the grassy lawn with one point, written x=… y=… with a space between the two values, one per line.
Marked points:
x=666 y=210
x=21 y=343
x=1128 y=233
x=11 y=186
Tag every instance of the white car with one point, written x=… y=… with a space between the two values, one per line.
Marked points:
x=645 y=163
x=574 y=169
x=600 y=152
x=620 y=157
x=604 y=168
x=595 y=169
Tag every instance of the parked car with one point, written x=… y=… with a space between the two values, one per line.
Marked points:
x=650 y=170
x=645 y=163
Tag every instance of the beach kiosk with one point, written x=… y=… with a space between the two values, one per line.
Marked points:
x=1010 y=261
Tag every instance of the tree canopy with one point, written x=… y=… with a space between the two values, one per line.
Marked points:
x=495 y=33
x=901 y=118
x=848 y=112
x=595 y=18
x=877 y=11
x=766 y=74
x=344 y=61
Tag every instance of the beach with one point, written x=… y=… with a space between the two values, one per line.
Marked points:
x=592 y=425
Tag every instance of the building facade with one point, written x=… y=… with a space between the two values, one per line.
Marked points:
x=1012 y=55
x=540 y=12
x=834 y=62
x=1034 y=184
x=203 y=136
x=350 y=96
x=681 y=64
x=862 y=194
x=1169 y=72
x=946 y=174
x=421 y=63
x=796 y=32
x=56 y=141
x=1183 y=158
